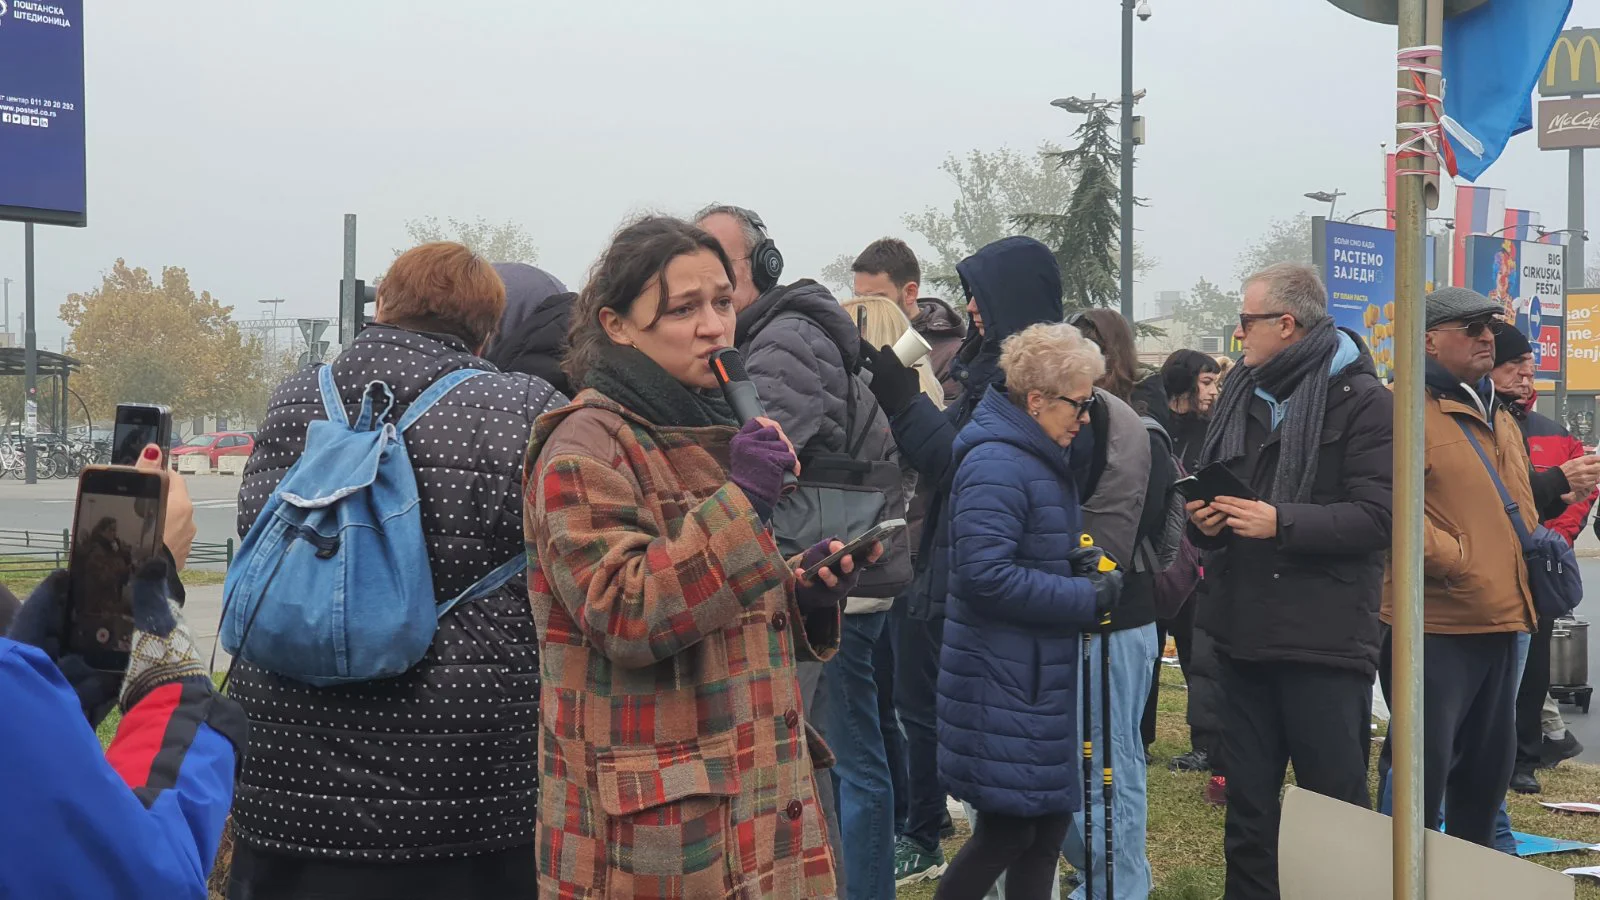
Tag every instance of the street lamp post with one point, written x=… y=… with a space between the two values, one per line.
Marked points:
x=1330 y=198
x=5 y=323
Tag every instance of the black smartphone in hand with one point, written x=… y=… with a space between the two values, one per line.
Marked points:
x=138 y=426
x=116 y=527
x=1212 y=482
x=858 y=547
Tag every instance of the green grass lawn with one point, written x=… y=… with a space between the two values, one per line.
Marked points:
x=1184 y=833
x=21 y=575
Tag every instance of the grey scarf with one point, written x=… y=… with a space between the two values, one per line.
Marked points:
x=1300 y=369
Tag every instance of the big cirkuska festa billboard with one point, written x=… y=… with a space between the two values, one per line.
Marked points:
x=1528 y=279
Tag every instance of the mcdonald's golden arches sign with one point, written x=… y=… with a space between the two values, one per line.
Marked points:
x=1574 y=64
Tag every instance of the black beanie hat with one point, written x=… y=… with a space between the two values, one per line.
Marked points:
x=1510 y=344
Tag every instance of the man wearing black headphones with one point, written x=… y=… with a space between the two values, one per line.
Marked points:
x=757 y=264
x=801 y=348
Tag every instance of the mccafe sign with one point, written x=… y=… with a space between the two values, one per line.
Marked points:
x=1569 y=124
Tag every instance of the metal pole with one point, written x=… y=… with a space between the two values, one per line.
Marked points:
x=1576 y=259
x=1405 y=729
x=349 y=308
x=5 y=323
x=30 y=356
x=1126 y=238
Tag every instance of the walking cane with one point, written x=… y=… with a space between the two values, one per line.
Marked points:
x=1088 y=765
x=1106 y=565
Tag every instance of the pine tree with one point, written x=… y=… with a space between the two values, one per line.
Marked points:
x=1084 y=237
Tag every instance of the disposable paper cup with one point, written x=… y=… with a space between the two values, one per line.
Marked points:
x=911 y=347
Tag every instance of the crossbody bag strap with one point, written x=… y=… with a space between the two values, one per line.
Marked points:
x=1513 y=509
x=488 y=584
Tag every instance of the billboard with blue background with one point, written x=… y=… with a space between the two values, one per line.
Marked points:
x=1527 y=278
x=42 y=162
x=1357 y=264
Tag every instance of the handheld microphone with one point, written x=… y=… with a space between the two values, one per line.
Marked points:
x=727 y=366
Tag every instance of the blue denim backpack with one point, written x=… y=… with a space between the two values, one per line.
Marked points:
x=332 y=584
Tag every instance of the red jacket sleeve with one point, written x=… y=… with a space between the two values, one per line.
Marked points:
x=1570 y=523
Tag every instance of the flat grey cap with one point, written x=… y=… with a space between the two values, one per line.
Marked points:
x=1455 y=304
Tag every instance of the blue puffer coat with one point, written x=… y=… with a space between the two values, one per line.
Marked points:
x=1008 y=722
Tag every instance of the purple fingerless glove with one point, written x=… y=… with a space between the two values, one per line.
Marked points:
x=758 y=457
x=818 y=595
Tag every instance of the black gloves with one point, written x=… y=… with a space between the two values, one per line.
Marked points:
x=42 y=622
x=1107 y=591
x=163 y=650
x=1107 y=585
x=894 y=383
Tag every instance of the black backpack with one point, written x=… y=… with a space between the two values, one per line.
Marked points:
x=841 y=495
x=1157 y=552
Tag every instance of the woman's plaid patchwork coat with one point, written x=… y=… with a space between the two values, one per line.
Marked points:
x=675 y=758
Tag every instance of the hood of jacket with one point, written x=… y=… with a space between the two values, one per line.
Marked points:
x=1150 y=399
x=808 y=299
x=537 y=342
x=527 y=288
x=1017 y=283
x=997 y=419
x=936 y=317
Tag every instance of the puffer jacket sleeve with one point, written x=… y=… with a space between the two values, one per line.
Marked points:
x=788 y=375
x=1360 y=522
x=926 y=437
x=989 y=518
x=641 y=596
x=1570 y=523
x=141 y=821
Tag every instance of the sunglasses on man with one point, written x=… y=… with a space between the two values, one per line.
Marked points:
x=1474 y=328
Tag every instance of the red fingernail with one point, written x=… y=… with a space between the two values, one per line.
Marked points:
x=152 y=454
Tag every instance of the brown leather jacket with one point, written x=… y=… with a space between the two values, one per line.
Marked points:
x=1475 y=581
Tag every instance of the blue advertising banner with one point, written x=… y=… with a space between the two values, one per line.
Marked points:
x=1526 y=278
x=42 y=162
x=1357 y=264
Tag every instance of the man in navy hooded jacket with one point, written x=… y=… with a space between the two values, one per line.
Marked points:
x=1010 y=284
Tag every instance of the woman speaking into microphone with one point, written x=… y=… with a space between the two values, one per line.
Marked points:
x=675 y=760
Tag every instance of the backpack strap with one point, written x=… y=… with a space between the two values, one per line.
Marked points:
x=434 y=394
x=1513 y=510
x=331 y=404
x=488 y=584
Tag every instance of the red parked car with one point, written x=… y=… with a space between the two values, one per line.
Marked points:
x=215 y=446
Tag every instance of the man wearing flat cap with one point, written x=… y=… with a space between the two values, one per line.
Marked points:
x=1476 y=599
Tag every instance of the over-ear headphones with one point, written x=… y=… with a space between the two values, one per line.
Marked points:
x=766 y=263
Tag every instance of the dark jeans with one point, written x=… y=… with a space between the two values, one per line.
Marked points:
x=1530 y=696
x=916 y=680
x=1274 y=713
x=894 y=740
x=1026 y=850
x=1181 y=627
x=1468 y=727
x=866 y=804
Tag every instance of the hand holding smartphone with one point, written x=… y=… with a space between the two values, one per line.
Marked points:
x=859 y=548
x=139 y=425
x=117 y=524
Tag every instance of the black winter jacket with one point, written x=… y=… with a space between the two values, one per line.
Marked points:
x=441 y=761
x=1312 y=593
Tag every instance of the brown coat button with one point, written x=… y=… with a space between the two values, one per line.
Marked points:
x=795 y=808
x=791 y=718
x=780 y=621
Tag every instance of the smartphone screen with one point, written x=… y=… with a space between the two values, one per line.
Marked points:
x=139 y=425
x=116 y=529
x=860 y=543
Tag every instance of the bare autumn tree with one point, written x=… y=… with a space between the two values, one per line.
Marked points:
x=497 y=242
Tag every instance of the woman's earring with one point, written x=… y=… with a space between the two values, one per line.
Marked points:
x=1034 y=413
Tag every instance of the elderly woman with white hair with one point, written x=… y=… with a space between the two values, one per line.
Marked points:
x=1021 y=591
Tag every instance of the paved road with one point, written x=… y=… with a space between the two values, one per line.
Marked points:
x=47 y=506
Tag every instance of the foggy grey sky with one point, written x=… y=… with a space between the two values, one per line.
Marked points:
x=229 y=138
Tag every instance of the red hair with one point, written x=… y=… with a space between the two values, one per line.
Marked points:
x=443 y=287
